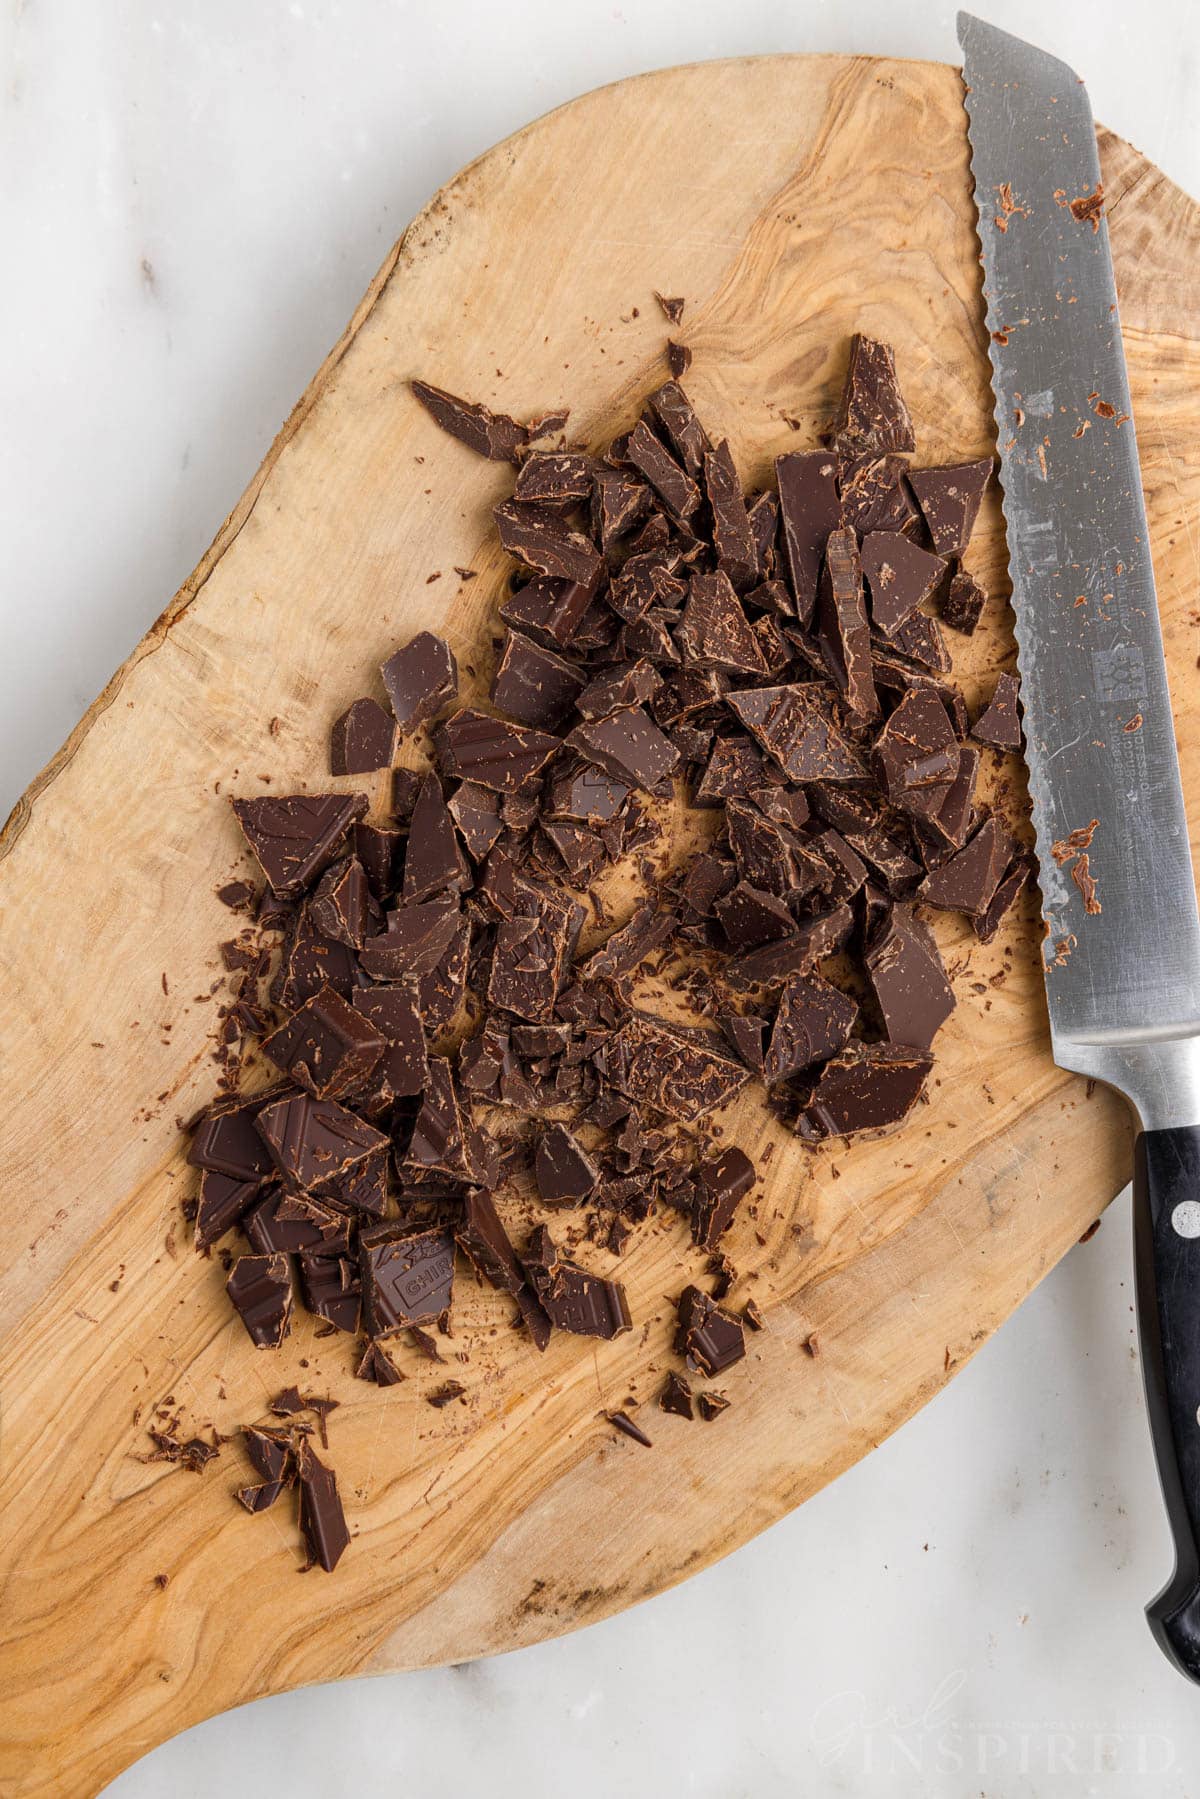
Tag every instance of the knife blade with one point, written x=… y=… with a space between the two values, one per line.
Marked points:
x=1122 y=949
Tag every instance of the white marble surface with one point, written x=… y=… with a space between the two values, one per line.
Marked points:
x=194 y=194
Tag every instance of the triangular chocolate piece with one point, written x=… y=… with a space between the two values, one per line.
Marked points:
x=949 y=499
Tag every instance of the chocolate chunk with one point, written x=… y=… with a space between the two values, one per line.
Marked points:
x=331 y=1290
x=415 y=941
x=629 y=948
x=874 y=493
x=721 y=1185
x=444 y=1138
x=476 y=812
x=619 y=502
x=845 y=872
x=949 y=499
x=343 y=907
x=674 y=486
x=484 y=1240
x=798 y=954
x=531 y=955
x=533 y=685
x=1001 y=902
x=552 y=612
x=714 y=631
x=917 y=755
x=679 y=358
x=735 y=769
x=968 y=881
x=194 y=1453
x=294 y=838
x=677 y=1070
x=491 y=752
x=407 y=1277
x=841 y=625
x=796 y=726
x=894 y=677
x=394 y=1012
x=909 y=981
x=445 y=1395
x=711 y=1339
x=222 y=1201
x=310 y=960
x=746 y=1036
x=624 y=1423
x=733 y=539
x=672 y=305
x=420 y=679
x=363 y=739
x=585 y=794
x=377 y=849
x=749 y=916
x=813 y=1022
x=767 y=855
x=260 y=1289
x=270 y=1453
x=433 y=862
x=560 y=478
x=920 y=638
x=314 y=1141
x=377 y=1365
x=285 y=1223
x=866 y=1088
x=810 y=511
x=491 y=434
x=900 y=575
x=237 y=895
x=541 y=540
x=326 y=1047
x=574 y=1300
x=676 y=1396
x=565 y=1173
x=872 y=414
x=406 y=784
x=364 y=1187
x=711 y=1405
x=630 y=747
x=963 y=605
x=676 y=418
x=999 y=724
x=628 y=684
x=226 y=1140
x=322 y=1518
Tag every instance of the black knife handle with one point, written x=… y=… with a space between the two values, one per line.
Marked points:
x=1166 y=1211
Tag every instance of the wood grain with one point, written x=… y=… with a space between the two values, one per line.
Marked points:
x=792 y=200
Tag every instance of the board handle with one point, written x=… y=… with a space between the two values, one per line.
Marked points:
x=1166 y=1212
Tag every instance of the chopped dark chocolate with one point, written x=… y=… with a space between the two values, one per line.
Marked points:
x=810 y=511
x=377 y=1365
x=407 y=1276
x=377 y=848
x=260 y=1290
x=221 y=1202
x=813 y=1022
x=674 y=1068
x=542 y=540
x=483 y=1239
x=284 y=1223
x=872 y=414
x=963 y=604
x=809 y=944
x=679 y=358
x=676 y=1396
x=999 y=724
x=534 y=685
x=747 y=1036
x=710 y=1405
x=322 y=1518
x=968 y=881
x=874 y=494
x=749 y=916
x=624 y=1423
x=555 y=478
x=714 y=631
x=394 y=1012
x=362 y=740
x=331 y=1289
x=733 y=539
x=949 y=499
x=491 y=434
x=908 y=979
x=1002 y=901
x=796 y=725
x=900 y=575
x=476 y=812
x=314 y=1141
x=327 y=1047
x=630 y=747
x=421 y=678
x=721 y=1185
x=433 y=862
x=294 y=838
x=343 y=907
x=226 y=1140
x=676 y=418
x=444 y=1138
x=574 y=1300
x=415 y=941
x=917 y=754
x=867 y=1087
x=711 y=1339
x=474 y=746
x=841 y=625
x=565 y=1173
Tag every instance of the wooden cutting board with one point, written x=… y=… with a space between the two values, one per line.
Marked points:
x=791 y=200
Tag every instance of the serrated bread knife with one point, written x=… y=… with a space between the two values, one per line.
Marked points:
x=1122 y=947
